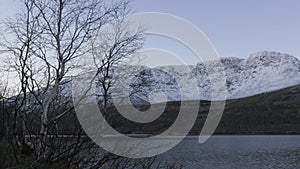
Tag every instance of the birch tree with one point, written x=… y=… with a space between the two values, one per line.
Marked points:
x=45 y=40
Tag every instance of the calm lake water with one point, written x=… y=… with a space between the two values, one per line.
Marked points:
x=240 y=152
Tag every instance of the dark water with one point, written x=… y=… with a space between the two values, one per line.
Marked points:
x=240 y=152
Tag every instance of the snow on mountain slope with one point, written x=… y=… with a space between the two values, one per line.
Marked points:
x=261 y=72
x=268 y=71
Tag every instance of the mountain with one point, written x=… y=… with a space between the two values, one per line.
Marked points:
x=261 y=72
x=263 y=92
x=276 y=112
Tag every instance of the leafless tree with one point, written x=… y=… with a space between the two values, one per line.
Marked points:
x=44 y=42
x=112 y=52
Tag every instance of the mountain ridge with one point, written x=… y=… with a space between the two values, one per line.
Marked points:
x=261 y=72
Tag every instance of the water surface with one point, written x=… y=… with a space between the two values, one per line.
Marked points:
x=240 y=152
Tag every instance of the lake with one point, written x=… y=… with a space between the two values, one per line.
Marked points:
x=230 y=152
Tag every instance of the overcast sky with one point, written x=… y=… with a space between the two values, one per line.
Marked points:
x=235 y=27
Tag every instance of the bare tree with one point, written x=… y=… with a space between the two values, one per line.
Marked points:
x=112 y=52
x=45 y=40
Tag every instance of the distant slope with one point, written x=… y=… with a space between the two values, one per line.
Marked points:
x=275 y=112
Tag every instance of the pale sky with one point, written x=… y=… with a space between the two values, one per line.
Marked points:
x=238 y=27
x=235 y=27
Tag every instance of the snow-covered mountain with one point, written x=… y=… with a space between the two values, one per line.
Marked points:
x=261 y=72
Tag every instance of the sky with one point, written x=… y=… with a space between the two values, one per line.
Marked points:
x=238 y=27
x=235 y=27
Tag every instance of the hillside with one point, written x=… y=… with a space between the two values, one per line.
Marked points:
x=263 y=95
x=276 y=112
